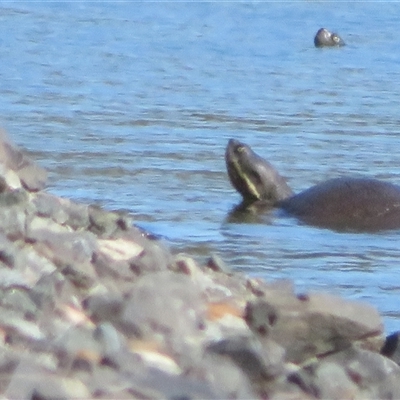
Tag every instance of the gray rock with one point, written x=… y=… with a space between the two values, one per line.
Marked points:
x=104 y=306
x=217 y=264
x=14 y=198
x=18 y=299
x=32 y=176
x=315 y=324
x=29 y=381
x=78 y=214
x=258 y=362
x=109 y=338
x=105 y=224
x=261 y=316
x=11 y=279
x=166 y=303
x=49 y=206
x=357 y=373
x=13 y=222
x=9 y=180
x=94 y=307
x=159 y=384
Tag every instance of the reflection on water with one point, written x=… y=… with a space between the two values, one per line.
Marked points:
x=130 y=105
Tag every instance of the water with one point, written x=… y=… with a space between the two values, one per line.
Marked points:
x=130 y=105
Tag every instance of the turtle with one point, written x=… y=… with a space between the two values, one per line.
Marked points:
x=344 y=204
x=324 y=38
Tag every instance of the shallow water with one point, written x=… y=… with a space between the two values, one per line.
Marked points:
x=131 y=105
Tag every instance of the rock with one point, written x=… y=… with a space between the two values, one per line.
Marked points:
x=261 y=316
x=352 y=373
x=15 y=198
x=18 y=299
x=49 y=206
x=105 y=306
x=105 y=224
x=332 y=382
x=109 y=338
x=92 y=306
x=31 y=382
x=315 y=324
x=77 y=214
x=9 y=180
x=231 y=379
x=17 y=328
x=164 y=302
x=216 y=264
x=119 y=249
x=391 y=347
x=12 y=214
x=160 y=384
x=32 y=177
x=259 y=362
x=11 y=279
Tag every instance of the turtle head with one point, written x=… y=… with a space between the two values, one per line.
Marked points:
x=326 y=38
x=252 y=176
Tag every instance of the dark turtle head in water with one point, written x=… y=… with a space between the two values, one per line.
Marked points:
x=329 y=39
x=252 y=176
x=348 y=203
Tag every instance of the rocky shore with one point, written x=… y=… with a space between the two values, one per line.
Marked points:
x=93 y=307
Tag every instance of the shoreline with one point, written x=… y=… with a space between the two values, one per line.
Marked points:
x=94 y=307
